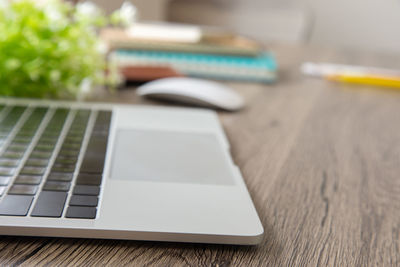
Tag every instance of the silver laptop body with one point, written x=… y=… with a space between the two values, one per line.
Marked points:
x=120 y=172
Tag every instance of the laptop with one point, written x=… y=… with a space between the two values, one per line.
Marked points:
x=70 y=169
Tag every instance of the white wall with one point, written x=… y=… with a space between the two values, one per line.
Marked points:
x=366 y=24
x=363 y=24
x=263 y=24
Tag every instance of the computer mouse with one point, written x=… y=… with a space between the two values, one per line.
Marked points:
x=193 y=91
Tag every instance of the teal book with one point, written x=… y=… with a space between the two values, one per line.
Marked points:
x=261 y=68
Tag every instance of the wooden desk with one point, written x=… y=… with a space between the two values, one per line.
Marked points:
x=322 y=164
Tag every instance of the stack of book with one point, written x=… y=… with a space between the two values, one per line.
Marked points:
x=150 y=51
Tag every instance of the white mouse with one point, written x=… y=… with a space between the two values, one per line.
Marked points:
x=193 y=91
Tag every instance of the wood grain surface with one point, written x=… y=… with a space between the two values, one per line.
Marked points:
x=321 y=162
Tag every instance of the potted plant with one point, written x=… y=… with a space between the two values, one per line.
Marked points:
x=52 y=49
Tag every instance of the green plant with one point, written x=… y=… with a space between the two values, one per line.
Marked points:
x=49 y=49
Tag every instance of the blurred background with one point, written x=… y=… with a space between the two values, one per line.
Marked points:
x=371 y=25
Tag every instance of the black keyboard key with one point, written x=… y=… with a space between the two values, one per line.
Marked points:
x=14 y=205
x=4 y=180
x=40 y=154
x=65 y=160
x=66 y=168
x=49 y=204
x=26 y=135
x=12 y=118
x=47 y=140
x=81 y=212
x=69 y=153
x=80 y=200
x=28 y=179
x=103 y=118
x=76 y=131
x=97 y=144
x=50 y=134
x=33 y=122
x=9 y=162
x=89 y=179
x=91 y=190
x=17 y=148
x=59 y=117
x=47 y=143
x=4 y=171
x=71 y=146
x=37 y=162
x=19 y=189
x=17 y=145
x=56 y=186
x=13 y=155
x=33 y=170
x=62 y=177
x=2 y=190
x=93 y=162
x=45 y=148
x=74 y=139
x=82 y=114
x=77 y=134
x=100 y=132
x=21 y=140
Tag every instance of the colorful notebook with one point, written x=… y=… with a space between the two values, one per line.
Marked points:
x=262 y=68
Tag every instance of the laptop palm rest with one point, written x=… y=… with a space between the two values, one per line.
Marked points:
x=169 y=156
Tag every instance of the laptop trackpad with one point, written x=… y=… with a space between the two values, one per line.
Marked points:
x=167 y=156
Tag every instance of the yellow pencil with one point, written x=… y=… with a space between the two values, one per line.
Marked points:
x=367 y=79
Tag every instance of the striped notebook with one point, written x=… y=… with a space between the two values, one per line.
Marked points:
x=262 y=68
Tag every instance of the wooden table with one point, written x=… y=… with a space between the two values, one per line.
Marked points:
x=321 y=162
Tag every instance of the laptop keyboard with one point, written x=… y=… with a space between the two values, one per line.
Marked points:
x=51 y=161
